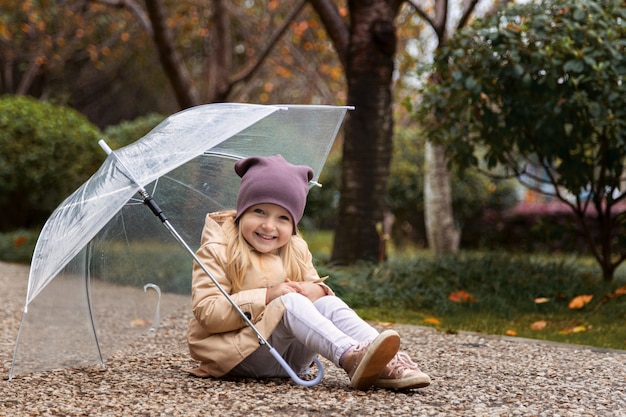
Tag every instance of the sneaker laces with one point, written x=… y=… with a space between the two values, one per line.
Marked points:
x=399 y=367
x=406 y=360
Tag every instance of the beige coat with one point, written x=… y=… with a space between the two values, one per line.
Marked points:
x=217 y=335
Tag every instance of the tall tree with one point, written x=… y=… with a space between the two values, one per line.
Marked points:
x=366 y=45
x=442 y=232
x=543 y=92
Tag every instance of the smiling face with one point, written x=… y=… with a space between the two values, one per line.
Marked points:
x=266 y=227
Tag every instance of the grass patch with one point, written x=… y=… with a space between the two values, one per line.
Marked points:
x=518 y=295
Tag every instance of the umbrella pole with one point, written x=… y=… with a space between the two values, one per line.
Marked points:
x=154 y=207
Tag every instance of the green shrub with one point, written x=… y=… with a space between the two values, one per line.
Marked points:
x=502 y=284
x=18 y=246
x=128 y=132
x=46 y=152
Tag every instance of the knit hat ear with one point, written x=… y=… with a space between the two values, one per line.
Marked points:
x=273 y=180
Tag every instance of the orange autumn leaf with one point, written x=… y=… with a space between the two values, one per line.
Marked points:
x=621 y=290
x=538 y=325
x=461 y=296
x=432 y=320
x=138 y=323
x=19 y=241
x=386 y=323
x=511 y=332
x=579 y=302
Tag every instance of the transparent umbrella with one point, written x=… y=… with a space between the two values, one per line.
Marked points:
x=101 y=252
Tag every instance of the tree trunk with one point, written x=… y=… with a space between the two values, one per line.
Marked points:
x=443 y=236
x=220 y=61
x=171 y=60
x=367 y=144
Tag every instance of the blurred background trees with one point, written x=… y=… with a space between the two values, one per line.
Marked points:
x=125 y=65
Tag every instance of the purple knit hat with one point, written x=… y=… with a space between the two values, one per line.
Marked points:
x=273 y=180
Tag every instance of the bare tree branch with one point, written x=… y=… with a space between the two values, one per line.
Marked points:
x=467 y=12
x=335 y=26
x=171 y=60
x=247 y=72
x=421 y=13
x=29 y=75
x=135 y=8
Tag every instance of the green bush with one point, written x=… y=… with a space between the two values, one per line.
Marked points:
x=18 y=246
x=128 y=132
x=46 y=152
x=502 y=284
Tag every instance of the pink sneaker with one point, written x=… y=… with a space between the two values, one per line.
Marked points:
x=402 y=373
x=365 y=361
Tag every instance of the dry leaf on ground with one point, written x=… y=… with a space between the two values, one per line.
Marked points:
x=580 y=301
x=538 y=325
x=432 y=320
x=461 y=296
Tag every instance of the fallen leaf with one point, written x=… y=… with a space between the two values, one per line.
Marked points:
x=386 y=323
x=511 y=332
x=621 y=290
x=541 y=300
x=432 y=320
x=461 y=297
x=538 y=325
x=138 y=323
x=575 y=329
x=579 y=302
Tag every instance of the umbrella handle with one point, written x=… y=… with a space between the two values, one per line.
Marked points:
x=294 y=376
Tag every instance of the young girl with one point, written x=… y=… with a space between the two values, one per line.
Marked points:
x=258 y=257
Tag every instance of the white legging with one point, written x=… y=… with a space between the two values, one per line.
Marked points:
x=327 y=327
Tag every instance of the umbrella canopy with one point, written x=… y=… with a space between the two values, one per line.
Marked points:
x=101 y=251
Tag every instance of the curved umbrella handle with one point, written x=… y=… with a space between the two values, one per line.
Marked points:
x=292 y=374
x=156 y=319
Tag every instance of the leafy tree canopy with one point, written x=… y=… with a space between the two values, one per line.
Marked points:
x=539 y=85
x=541 y=88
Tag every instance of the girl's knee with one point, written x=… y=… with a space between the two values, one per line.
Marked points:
x=294 y=299
x=330 y=303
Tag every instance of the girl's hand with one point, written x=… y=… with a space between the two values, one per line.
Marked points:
x=277 y=290
x=310 y=290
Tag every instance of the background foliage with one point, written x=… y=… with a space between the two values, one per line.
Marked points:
x=538 y=89
x=490 y=292
x=37 y=142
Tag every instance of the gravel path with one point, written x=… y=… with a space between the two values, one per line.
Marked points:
x=472 y=375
